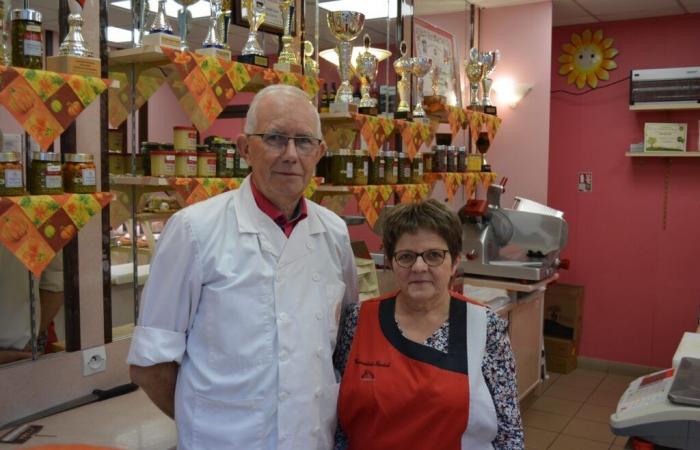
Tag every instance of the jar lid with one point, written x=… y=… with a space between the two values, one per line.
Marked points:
x=78 y=157
x=181 y=127
x=428 y=153
x=179 y=154
x=116 y=152
x=441 y=147
x=26 y=14
x=150 y=144
x=167 y=147
x=9 y=157
x=46 y=156
x=390 y=154
x=451 y=148
x=342 y=152
x=202 y=148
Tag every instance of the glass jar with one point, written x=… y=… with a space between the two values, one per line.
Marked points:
x=377 y=168
x=45 y=174
x=206 y=164
x=404 y=169
x=146 y=149
x=117 y=164
x=417 y=169
x=240 y=166
x=79 y=173
x=225 y=158
x=342 y=164
x=428 y=162
x=11 y=170
x=186 y=164
x=185 y=139
x=360 y=175
x=440 y=158
x=462 y=159
x=27 y=47
x=162 y=163
x=391 y=169
x=451 y=158
x=323 y=168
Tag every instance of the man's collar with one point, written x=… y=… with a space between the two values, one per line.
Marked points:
x=276 y=214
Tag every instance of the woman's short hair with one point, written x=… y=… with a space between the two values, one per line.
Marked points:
x=427 y=215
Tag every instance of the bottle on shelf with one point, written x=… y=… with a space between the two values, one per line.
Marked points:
x=324 y=104
x=331 y=96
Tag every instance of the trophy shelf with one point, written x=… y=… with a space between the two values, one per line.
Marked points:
x=143 y=54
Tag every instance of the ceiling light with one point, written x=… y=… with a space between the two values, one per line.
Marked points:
x=198 y=10
x=372 y=9
x=117 y=35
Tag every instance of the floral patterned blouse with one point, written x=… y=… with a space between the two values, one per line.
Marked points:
x=498 y=368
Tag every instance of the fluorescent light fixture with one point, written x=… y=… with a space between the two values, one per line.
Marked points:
x=117 y=35
x=372 y=9
x=509 y=91
x=198 y=10
x=331 y=55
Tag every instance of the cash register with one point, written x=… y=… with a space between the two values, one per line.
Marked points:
x=663 y=407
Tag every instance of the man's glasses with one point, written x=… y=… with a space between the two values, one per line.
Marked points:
x=433 y=257
x=304 y=145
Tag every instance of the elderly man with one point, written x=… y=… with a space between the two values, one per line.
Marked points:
x=240 y=313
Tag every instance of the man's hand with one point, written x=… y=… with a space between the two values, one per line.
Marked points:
x=158 y=382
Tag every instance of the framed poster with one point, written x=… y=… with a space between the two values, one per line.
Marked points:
x=438 y=45
x=273 y=16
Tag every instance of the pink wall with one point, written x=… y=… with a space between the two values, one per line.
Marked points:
x=640 y=280
x=521 y=148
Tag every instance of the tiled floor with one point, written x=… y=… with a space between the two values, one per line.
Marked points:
x=572 y=412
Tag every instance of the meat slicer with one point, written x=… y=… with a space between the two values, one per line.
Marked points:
x=520 y=243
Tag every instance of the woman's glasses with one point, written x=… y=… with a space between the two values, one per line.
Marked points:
x=432 y=257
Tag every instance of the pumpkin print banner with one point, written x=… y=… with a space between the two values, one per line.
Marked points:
x=35 y=227
x=46 y=103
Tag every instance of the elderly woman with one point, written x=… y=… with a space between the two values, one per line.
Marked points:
x=425 y=368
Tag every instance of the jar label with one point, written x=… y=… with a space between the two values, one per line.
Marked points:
x=420 y=168
x=192 y=159
x=53 y=181
x=229 y=162
x=32 y=45
x=89 y=177
x=169 y=159
x=365 y=167
x=13 y=178
x=381 y=172
x=348 y=170
x=395 y=171
x=407 y=172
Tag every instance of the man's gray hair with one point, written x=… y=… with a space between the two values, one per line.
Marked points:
x=278 y=89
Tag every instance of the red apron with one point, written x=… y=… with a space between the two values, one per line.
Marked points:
x=398 y=394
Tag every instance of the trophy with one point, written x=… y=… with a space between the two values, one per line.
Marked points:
x=214 y=42
x=366 y=65
x=420 y=66
x=310 y=65
x=434 y=104
x=73 y=54
x=345 y=26
x=475 y=73
x=402 y=67
x=160 y=33
x=252 y=53
x=226 y=7
x=184 y=19
x=489 y=60
x=139 y=20
x=287 y=60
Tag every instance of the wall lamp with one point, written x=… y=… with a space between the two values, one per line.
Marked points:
x=509 y=91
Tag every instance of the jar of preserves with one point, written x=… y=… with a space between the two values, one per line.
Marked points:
x=27 y=46
x=11 y=172
x=146 y=149
x=377 y=168
x=117 y=163
x=451 y=158
x=186 y=164
x=225 y=157
x=428 y=162
x=342 y=165
x=79 y=173
x=417 y=169
x=162 y=163
x=45 y=174
x=440 y=158
x=206 y=164
x=184 y=139
x=240 y=166
x=404 y=169
x=391 y=169
x=323 y=168
x=462 y=159
x=361 y=168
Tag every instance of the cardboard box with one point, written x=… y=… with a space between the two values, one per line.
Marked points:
x=563 y=311
x=560 y=347
x=665 y=136
x=561 y=364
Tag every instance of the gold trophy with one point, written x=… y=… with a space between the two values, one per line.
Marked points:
x=310 y=65
x=345 y=26
x=402 y=67
x=213 y=44
x=475 y=73
x=366 y=65
x=287 y=61
x=420 y=66
x=252 y=52
x=73 y=55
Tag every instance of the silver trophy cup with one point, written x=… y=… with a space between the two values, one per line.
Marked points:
x=256 y=17
x=489 y=60
x=184 y=19
x=160 y=22
x=366 y=65
x=420 y=66
x=74 y=44
x=214 y=38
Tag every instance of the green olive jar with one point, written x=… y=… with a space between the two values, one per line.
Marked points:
x=417 y=169
x=452 y=158
x=342 y=165
x=241 y=169
x=440 y=158
x=45 y=177
x=377 y=169
x=360 y=176
x=405 y=169
x=79 y=173
x=391 y=167
x=27 y=46
x=11 y=171
x=225 y=158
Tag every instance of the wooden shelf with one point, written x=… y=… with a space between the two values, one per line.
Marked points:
x=144 y=54
x=138 y=180
x=692 y=154
x=665 y=106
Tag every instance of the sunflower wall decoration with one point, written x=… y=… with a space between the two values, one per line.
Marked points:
x=587 y=59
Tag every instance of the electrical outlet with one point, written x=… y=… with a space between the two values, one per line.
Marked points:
x=94 y=360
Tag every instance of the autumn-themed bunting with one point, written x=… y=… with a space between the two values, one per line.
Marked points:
x=371 y=200
x=457 y=118
x=312 y=186
x=374 y=130
x=147 y=83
